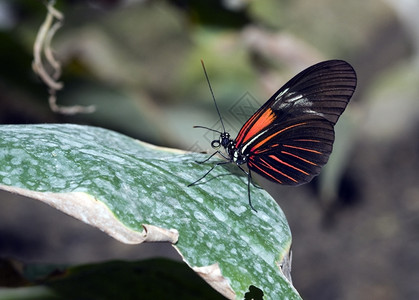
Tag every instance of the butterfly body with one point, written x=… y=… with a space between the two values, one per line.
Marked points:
x=291 y=136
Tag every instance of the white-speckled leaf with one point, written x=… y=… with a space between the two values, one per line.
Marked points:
x=137 y=192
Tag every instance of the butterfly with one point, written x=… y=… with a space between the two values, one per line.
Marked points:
x=289 y=138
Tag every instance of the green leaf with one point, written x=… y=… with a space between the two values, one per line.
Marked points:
x=137 y=192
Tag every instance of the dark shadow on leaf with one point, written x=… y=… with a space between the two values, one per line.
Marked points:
x=254 y=293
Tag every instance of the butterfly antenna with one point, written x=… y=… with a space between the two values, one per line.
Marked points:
x=212 y=94
x=207 y=128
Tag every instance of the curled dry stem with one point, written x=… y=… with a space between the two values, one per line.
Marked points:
x=47 y=67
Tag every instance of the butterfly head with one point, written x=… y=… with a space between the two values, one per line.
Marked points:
x=223 y=141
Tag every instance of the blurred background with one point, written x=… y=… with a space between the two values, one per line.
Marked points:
x=355 y=228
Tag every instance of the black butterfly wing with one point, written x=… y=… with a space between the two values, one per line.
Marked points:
x=291 y=136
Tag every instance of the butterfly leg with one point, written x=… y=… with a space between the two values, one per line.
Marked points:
x=249 y=180
x=209 y=171
x=208 y=158
x=247 y=173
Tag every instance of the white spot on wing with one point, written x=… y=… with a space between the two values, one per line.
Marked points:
x=298 y=100
x=282 y=93
x=295 y=97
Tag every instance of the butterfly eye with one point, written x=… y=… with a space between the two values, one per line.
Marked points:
x=215 y=144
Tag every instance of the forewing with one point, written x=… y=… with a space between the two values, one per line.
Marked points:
x=323 y=89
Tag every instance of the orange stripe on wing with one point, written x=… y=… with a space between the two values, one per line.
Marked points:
x=255 y=147
x=240 y=135
x=262 y=122
x=276 y=170
x=299 y=157
x=288 y=165
x=263 y=171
